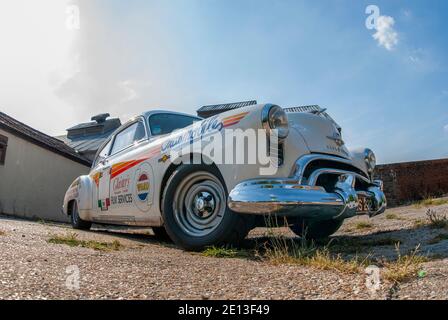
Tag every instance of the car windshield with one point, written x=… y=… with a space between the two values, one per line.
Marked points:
x=165 y=123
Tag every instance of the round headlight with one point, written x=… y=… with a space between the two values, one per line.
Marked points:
x=275 y=118
x=370 y=159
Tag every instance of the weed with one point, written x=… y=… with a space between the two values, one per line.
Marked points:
x=404 y=267
x=437 y=220
x=362 y=225
x=306 y=253
x=224 y=252
x=71 y=239
x=429 y=202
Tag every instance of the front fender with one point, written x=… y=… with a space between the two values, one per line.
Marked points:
x=81 y=190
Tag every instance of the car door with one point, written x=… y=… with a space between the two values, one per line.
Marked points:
x=100 y=174
x=118 y=175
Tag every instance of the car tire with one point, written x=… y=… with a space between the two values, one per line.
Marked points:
x=77 y=222
x=315 y=229
x=160 y=233
x=195 y=211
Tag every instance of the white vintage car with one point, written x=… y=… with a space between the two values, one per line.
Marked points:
x=139 y=177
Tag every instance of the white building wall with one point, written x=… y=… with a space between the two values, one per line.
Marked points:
x=33 y=180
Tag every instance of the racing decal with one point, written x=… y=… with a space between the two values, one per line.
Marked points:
x=121 y=191
x=143 y=190
x=204 y=128
x=143 y=186
x=121 y=167
x=96 y=177
x=232 y=120
x=164 y=158
x=104 y=204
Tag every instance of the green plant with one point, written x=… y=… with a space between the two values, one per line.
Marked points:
x=224 y=252
x=431 y=202
x=283 y=250
x=363 y=225
x=404 y=267
x=437 y=220
x=71 y=239
x=393 y=216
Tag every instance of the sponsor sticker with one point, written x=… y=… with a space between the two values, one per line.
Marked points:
x=143 y=187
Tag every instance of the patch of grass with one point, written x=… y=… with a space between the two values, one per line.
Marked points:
x=393 y=216
x=71 y=239
x=429 y=202
x=224 y=252
x=439 y=238
x=283 y=250
x=437 y=220
x=405 y=267
x=362 y=225
x=419 y=223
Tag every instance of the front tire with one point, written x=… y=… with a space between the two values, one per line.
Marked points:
x=195 y=209
x=315 y=229
x=77 y=222
x=161 y=234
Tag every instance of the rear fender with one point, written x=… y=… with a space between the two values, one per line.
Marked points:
x=81 y=190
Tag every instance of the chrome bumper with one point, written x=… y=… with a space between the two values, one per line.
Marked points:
x=291 y=198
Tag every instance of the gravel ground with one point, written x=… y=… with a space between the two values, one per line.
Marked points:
x=144 y=268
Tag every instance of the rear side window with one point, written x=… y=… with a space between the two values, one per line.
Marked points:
x=165 y=123
x=128 y=136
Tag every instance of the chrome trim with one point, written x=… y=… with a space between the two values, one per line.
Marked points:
x=345 y=187
x=316 y=174
x=292 y=197
x=368 y=154
x=284 y=197
x=261 y=197
x=302 y=163
x=265 y=119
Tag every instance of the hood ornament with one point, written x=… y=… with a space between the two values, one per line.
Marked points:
x=336 y=137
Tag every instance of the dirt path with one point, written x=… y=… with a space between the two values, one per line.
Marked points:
x=144 y=268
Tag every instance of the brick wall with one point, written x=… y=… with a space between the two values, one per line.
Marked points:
x=410 y=181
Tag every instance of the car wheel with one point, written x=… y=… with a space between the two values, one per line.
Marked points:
x=195 y=209
x=315 y=229
x=77 y=222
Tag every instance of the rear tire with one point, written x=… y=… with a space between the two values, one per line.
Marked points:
x=77 y=222
x=195 y=211
x=315 y=229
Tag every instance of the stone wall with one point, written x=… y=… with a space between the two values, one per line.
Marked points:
x=411 y=181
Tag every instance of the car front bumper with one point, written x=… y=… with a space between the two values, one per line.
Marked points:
x=295 y=198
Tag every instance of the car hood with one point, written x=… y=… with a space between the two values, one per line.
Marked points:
x=321 y=134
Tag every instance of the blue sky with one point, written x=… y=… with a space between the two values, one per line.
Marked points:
x=130 y=56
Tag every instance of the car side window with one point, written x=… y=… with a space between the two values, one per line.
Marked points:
x=103 y=153
x=165 y=123
x=128 y=136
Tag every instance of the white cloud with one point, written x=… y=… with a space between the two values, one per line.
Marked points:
x=385 y=33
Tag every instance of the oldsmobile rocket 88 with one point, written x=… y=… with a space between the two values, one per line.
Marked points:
x=137 y=180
